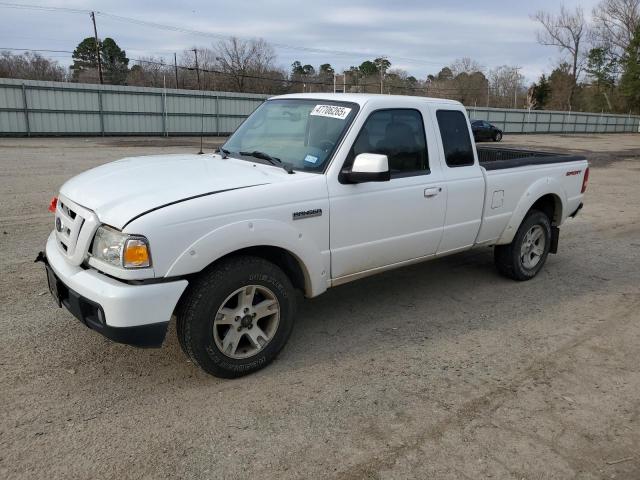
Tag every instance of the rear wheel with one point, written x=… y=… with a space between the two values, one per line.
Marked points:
x=237 y=316
x=523 y=258
x=497 y=137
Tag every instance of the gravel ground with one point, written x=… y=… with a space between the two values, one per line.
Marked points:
x=442 y=370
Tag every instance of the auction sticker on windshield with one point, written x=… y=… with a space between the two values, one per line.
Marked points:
x=331 y=111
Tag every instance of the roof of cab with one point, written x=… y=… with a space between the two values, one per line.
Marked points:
x=363 y=98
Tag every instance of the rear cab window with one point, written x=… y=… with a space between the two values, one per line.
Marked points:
x=456 y=140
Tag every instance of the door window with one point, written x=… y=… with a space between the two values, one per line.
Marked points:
x=398 y=134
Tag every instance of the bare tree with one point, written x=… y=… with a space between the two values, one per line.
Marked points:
x=30 y=66
x=469 y=84
x=614 y=24
x=151 y=72
x=567 y=30
x=245 y=60
x=465 y=65
x=506 y=85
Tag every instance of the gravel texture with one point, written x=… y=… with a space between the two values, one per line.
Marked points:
x=443 y=370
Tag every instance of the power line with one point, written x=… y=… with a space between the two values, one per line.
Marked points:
x=35 y=50
x=282 y=80
x=22 y=6
x=210 y=34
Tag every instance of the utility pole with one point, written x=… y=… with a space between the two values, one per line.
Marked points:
x=515 y=89
x=95 y=35
x=488 y=91
x=195 y=52
x=175 y=66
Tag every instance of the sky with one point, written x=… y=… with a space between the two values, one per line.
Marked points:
x=418 y=36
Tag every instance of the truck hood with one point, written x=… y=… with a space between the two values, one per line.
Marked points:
x=127 y=188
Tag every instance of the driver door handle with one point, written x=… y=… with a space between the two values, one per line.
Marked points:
x=432 y=192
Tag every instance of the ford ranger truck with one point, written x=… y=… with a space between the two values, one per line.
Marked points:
x=312 y=191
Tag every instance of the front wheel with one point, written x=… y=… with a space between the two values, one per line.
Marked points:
x=237 y=316
x=523 y=258
x=497 y=137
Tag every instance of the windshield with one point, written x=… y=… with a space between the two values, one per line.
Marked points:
x=301 y=133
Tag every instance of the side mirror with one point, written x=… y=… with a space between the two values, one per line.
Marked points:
x=368 y=167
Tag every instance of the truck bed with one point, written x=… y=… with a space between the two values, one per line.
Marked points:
x=495 y=158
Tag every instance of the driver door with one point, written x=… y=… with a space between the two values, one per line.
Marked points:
x=378 y=224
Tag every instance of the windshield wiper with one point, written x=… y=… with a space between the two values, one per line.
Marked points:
x=272 y=160
x=224 y=152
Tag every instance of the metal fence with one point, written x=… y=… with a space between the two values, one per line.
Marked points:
x=37 y=108
x=31 y=108
x=547 y=121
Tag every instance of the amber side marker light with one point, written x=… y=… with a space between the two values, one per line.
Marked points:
x=136 y=254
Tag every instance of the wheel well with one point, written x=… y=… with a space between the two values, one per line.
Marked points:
x=284 y=259
x=551 y=206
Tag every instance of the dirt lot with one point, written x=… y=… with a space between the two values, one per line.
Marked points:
x=443 y=370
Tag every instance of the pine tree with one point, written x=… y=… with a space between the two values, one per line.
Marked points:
x=630 y=80
x=541 y=92
x=85 y=57
x=114 y=60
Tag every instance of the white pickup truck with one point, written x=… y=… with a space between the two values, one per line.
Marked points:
x=312 y=191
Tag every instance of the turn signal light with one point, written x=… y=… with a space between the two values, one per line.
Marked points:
x=53 y=204
x=585 y=180
x=136 y=254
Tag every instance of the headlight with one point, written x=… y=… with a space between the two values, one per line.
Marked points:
x=120 y=249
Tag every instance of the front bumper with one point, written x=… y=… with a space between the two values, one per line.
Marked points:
x=131 y=314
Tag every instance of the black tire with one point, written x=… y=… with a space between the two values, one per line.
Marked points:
x=508 y=259
x=497 y=137
x=199 y=308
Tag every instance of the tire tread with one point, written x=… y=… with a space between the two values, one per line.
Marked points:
x=506 y=257
x=209 y=281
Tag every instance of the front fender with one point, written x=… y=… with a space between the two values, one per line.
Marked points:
x=252 y=233
x=537 y=190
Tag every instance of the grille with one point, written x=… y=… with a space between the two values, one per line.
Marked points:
x=74 y=227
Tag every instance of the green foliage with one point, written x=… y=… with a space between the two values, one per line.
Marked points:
x=601 y=65
x=445 y=74
x=368 y=68
x=296 y=68
x=630 y=80
x=115 y=63
x=382 y=64
x=561 y=84
x=326 y=69
x=84 y=56
x=541 y=92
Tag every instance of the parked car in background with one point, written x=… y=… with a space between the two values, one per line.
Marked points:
x=483 y=130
